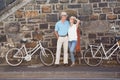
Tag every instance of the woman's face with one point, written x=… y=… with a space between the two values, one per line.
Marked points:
x=72 y=20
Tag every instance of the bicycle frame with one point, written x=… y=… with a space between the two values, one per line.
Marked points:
x=104 y=52
x=31 y=52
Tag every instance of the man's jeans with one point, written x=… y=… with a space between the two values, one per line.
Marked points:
x=72 y=45
x=62 y=41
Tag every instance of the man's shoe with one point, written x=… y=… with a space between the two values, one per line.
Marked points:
x=66 y=65
x=56 y=65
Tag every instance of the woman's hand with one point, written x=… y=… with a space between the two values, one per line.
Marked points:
x=78 y=22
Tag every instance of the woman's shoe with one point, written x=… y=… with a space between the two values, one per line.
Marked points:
x=73 y=64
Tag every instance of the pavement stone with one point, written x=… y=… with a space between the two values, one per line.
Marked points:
x=60 y=73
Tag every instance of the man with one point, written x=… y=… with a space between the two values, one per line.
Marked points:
x=61 y=31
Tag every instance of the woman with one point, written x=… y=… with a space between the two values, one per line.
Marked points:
x=72 y=37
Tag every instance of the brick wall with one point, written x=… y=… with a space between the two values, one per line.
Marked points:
x=95 y=16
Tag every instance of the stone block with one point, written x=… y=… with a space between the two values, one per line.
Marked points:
x=111 y=16
x=117 y=10
x=2 y=5
x=73 y=1
x=19 y=14
x=12 y=27
x=102 y=17
x=118 y=4
x=52 y=27
x=21 y=19
x=27 y=34
x=97 y=41
x=74 y=6
x=92 y=36
x=37 y=7
x=59 y=7
x=41 y=1
x=3 y=38
x=1 y=23
x=43 y=26
x=100 y=34
x=118 y=22
x=96 y=26
x=48 y=31
x=54 y=42
x=52 y=18
x=86 y=9
x=95 y=5
x=53 y=49
x=103 y=4
x=105 y=40
x=71 y=13
x=9 y=2
x=98 y=11
x=46 y=9
x=111 y=0
x=106 y=10
x=92 y=1
x=53 y=1
x=112 y=4
x=84 y=17
x=64 y=1
x=118 y=16
x=94 y=17
x=30 y=14
x=45 y=44
x=29 y=7
x=82 y=1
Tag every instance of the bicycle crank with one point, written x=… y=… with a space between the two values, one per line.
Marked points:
x=28 y=57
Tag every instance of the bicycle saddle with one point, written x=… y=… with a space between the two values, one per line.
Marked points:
x=117 y=38
x=23 y=40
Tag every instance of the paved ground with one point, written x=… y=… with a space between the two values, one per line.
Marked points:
x=79 y=68
x=59 y=79
x=81 y=72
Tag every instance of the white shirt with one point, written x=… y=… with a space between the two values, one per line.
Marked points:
x=72 y=32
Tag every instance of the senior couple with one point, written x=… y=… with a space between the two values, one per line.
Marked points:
x=66 y=33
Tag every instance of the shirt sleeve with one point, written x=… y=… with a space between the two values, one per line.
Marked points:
x=56 y=27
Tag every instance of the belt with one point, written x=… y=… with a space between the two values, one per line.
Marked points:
x=63 y=35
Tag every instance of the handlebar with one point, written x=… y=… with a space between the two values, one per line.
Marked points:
x=28 y=40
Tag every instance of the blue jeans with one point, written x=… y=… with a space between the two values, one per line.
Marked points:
x=72 y=45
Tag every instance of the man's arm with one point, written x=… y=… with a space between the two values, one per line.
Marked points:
x=56 y=34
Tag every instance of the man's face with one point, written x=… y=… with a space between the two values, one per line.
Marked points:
x=64 y=17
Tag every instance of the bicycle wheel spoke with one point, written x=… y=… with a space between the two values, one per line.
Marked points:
x=47 y=57
x=118 y=57
x=92 y=60
x=13 y=57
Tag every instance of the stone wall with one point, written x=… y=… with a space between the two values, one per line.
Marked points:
x=95 y=16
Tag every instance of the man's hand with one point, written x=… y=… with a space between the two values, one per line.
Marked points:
x=56 y=34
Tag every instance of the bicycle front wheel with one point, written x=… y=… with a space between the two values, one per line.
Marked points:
x=14 y=57
x=118 y=56
x=90 y=60
x=47 y=57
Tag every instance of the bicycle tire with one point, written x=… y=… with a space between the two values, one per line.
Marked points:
x=47 y=57
x=90 y=60
x=11 y=60
x=118 y=57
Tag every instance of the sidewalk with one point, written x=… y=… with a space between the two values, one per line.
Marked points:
x=81 y=72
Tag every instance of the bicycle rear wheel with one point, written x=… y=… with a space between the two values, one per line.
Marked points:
x=47 y=57
x=118 y=56
x=11 y=59
x=90 y=60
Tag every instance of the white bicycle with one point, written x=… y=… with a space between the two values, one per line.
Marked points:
x=94 y=55
x=15 y=56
